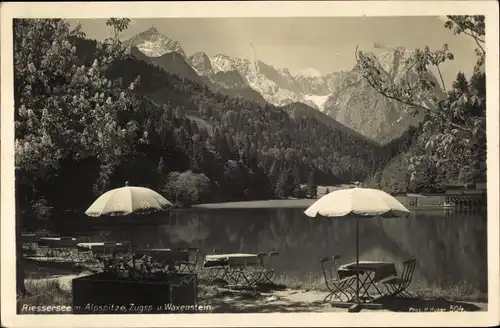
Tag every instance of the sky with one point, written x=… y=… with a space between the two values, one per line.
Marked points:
x=326 y=44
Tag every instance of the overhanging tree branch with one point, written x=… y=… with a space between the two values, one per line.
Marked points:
x=380 y=90
x=477 y=39
x=463 y=24
x=377 y=87
x=441 y=77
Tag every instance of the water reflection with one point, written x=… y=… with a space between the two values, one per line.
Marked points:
x=449 y=247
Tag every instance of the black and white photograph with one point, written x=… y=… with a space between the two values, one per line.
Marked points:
x=183 y=161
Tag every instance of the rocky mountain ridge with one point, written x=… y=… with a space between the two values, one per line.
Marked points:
x=154 y=44
x=343 y=95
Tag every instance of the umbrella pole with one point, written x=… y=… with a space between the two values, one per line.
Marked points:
x=357 y=260
x=357 y=306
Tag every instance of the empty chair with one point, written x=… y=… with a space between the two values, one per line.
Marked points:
x=243 y=273
x=266 y=271
x=191 y=265
x=260 y=272
x=83 y=254
x=337 y=286
x=398 y=285
x=98 y=254
x=216 y=270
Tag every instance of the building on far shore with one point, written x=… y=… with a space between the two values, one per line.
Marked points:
x=478 y=188
x=469 y=195
x=455 y=195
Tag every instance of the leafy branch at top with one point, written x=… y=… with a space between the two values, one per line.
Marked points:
x=472 y=26
x=454 y=128
x=118 y=24
x=417 y=87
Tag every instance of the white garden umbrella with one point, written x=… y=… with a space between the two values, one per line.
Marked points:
x=127 y=200
x=356 y=203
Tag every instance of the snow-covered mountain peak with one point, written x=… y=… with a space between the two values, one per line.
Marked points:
x=150 y=31
x=221 y=62
x=342 y=95
x=201 y=63
x=154 y=44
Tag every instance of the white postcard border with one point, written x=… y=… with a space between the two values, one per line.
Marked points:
x=246 y=9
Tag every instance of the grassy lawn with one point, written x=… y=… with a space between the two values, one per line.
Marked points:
x=57 y=292
x=47 y=293
x=462 y=291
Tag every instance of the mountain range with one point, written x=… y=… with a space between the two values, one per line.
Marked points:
x=342 y=96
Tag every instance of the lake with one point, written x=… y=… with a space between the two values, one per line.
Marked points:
x=450 y=246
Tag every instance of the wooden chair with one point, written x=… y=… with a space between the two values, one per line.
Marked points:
x=191 y=265
x=397 y=286
x=215 y=271
x=63 y=247
x=266 y=273
x=243 y=273
x=84 y=255
x=337 y=286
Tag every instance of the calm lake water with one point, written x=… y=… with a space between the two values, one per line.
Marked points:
x=450 y=246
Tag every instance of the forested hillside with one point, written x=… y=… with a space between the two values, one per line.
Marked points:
x=260 y=133
x=106 y=117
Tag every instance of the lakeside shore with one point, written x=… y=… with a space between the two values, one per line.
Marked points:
x=433 y=204
x=308 y=290
x=57 y=291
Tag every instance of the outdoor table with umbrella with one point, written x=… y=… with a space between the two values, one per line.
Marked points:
x=373 y=271
x=127 y=200
x=358 y=203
